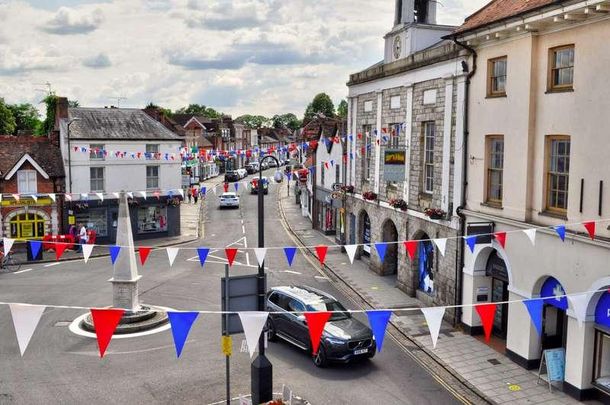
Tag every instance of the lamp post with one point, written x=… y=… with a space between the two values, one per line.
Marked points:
x=70 y=153
x=261 y=369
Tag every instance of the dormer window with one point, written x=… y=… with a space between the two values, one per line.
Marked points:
x=26 y=182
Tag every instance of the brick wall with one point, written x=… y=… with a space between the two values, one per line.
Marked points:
x=44 y=185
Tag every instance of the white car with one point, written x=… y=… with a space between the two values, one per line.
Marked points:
x=242 y=173
x=229 y=199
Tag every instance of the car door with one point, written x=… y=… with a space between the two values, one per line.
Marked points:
x=298 y=327
x=281 y=319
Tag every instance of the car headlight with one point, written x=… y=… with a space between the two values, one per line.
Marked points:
x=335 y=341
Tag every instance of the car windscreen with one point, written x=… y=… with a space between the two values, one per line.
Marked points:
x=338 y=311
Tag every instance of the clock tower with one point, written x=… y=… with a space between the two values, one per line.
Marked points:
x=414 y=29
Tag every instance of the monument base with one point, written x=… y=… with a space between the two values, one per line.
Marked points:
x=145 y=318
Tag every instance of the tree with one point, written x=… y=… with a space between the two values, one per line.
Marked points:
x=289 y=121
x=254 y=121
x=321 y=104
x=73 y=103
x=167 y=112
x=7 y=121
x=26 y=117
x=49 y=123
x=342 y=109
x=199 y=109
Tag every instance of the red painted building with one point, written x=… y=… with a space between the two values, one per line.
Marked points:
x=31 y=183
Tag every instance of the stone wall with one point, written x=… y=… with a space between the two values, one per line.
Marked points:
x=365 y=118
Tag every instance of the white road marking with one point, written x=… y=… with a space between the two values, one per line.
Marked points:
x=243 y=229
x=321 y=277
x=22 y=271
x=74 y=328
x=289 y=271
x=52 y=264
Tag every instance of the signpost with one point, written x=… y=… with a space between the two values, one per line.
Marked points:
x=554 y=360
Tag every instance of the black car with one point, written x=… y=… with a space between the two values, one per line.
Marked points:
x=232 y=175
x=344 y=338
x=251 y=169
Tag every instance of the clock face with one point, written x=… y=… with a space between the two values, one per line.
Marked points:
x=397 y=47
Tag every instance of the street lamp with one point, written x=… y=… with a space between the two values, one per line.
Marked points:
x=70 y=152
x=262 y=371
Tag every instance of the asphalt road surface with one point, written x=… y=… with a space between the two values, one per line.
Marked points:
x=60 y=367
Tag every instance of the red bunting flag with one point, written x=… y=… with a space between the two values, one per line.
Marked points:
x=230 y=252
x=315 y=323
x=359 y=135
x=501 y=238
x=144 y=251
x=590 y=227
x=486 y=313
x=226 y=187
x=321 y=252
x=105 y=322
x=60 y=247
x=411 y=246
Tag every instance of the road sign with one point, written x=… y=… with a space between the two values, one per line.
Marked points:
x=243 y=296
x=555 y=362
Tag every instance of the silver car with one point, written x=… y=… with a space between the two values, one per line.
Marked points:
x=229 y=199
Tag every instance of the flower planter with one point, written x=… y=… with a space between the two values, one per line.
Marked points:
x=436 y=216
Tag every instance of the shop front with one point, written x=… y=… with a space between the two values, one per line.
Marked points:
x=554 y=321
x=497 y=270
x=27 y=219
x=326 y=212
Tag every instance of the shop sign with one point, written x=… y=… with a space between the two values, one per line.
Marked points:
x=555 y=362
x=26 y=201
x=394 y=165
x=602 y=310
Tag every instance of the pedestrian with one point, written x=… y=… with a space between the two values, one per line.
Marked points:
x=189 y=194
x=73 y=232
x=195 y=194
x=82 y=237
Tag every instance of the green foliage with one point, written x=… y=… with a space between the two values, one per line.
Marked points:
x=255 y=121
x=49 y=123
x=167 y=112
x=342 y=109
x=321 y=104
x=199 y=109
x=7 y=121
x=73 y=103
x=26 y=117
x=289 y=121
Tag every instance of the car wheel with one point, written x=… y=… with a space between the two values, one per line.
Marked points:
x=319 y=359
x=271 y=333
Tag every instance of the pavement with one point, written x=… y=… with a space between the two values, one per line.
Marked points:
x=486 y=371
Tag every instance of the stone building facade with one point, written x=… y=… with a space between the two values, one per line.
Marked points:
x=411 y=106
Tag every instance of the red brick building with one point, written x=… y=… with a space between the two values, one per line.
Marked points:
x=32 y=169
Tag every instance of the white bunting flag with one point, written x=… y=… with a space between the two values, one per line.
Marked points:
x=143 y=194
x=253 y=324
x=0 y=197
x=16 y=197
x=116 y=195
x=129 y=194
x=214 y=190
x=100 y=196
x=441 y=244
x=260 y=255
x=181 y=191
x=8 y=244
x=531 y=234
x=68 y=197
x=87 y=249
x=84 y=196
x=579 y=306
x=351 y=252
x=34 y=197
x=25 y=320
x=53 y=197
x=434 y=318
x=171 y=254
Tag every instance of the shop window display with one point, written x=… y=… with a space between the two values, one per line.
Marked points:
x=152 y=219
x=95 y=220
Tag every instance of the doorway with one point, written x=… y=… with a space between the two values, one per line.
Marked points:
x=497 y=270
x=365 y=233
x=390 y=235
x=554 y=320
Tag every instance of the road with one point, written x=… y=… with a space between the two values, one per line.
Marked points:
x=61 y=367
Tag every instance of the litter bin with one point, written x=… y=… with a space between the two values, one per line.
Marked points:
x=32 y=258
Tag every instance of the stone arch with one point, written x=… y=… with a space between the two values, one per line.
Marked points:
x=596 y=290
x=389 y=233
x=30 y=210
x=554 y=319
x=481 y=256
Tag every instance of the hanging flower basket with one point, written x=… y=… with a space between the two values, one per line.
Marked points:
x=369 y=196
x=348 y=189
x=435 y=213
x=398 y=203
x=173 y=202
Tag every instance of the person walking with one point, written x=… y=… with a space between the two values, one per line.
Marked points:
x=189 y=194
x=82 y=237
x=195 y=194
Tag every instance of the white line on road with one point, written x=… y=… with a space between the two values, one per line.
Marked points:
x=321 y=277
x=22 y=271
x=289 y=271
x=243 y=229
x=52 y=264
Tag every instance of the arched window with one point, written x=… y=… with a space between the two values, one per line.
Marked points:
x=27 y=226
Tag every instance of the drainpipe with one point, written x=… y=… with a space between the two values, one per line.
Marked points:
x=459 y=279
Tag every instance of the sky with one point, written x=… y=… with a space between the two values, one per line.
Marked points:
x=240 y=57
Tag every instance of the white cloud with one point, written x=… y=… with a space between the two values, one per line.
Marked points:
x=67 y=21
x=99 y=61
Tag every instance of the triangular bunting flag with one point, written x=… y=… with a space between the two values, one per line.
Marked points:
x=531 y=234
x=25 y=320
x=260 y=255
x=17 y=197
x=486 y=313
x=315 y=324
x=68 y=196
x=87 y=249
x=114 y=253
x=471 y=241
x=144 y=252
x=561 y=231
x=203 y=255
x=225 y=186
x=351 y=252
x=100 y=196
x=441 y=244
x=236 y=185
x=534 y=307
x=171 y=255
x=105 y=322
x=411 y=246
x=60 y=247
x=129 y=194
x=501 y=238
x=253 y=324
x=590 y=227
x=214 y=190
x=290 y=252
x=579 y=306
x=321 y=252
x=181 y=323
x=34 y=197
x=379 y=322
x=381 y=248
x=143 y=194
x=115 y=194
x=35 y=246
x=181 y=191
x=230 y=253
x=52 y=197
x=434 y=319
x=8 y=244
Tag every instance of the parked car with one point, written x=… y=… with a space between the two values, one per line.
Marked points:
x=229 y=199
x=251 y=168
x=265 y=165
x=231 y=175
x=272 y=163
x=254 y=185
x=344 y=338
x=242 y=173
